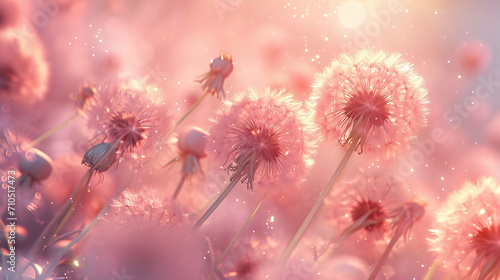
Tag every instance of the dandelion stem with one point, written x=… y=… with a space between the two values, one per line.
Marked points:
x=384 y=256
x=239 y=233
x=56 y=222
x=198 y=102
x=179 y=186
x=53 y=130
x=218 y=201
x=305 y=224
x=431 y=271
x=55 y=259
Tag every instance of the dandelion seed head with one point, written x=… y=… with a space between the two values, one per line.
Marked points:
x=147 y=234
x=130 y=116
x=363 y=207
x=466 y=234
x=264 y=136
x=23 y=68
x=375 y=97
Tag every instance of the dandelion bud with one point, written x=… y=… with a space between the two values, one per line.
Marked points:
x=100 y=157
x=10 y=14
x=87 y=93
x=407 y=215
x=35 y=164
x=223 y=64
x=220 y=68
x=192 y=140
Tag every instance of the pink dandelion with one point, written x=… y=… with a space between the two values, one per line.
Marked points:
x=362 y=209
x=23 y=69
x=374 y=98
x=220 y=68
x=264 y=137
x=131 y=117
x=146 y=235
x=466 y=235
x=370 y=101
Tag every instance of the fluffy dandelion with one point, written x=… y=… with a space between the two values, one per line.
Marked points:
x=220 y=68
x=375 y=98
x=146 y=235
x=129 y=116
x=261 y=137
x=466 y=235
x=362 y=209
x=23 y=69
x=369 y=101
x=191 y=143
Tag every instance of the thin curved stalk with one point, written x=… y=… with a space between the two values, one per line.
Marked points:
x=307 y=221
x=53 y=130
x=218 y=201
x=237 y=236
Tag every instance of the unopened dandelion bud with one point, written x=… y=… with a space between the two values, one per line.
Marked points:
x=223 y=64
x=220 y=68
x=86 y=93
x=100 y=157
x=36 y=165
x=192 y=140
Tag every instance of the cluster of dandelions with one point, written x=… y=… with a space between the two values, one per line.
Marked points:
x=368 y=101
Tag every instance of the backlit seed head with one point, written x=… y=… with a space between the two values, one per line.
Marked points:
x=373 y=99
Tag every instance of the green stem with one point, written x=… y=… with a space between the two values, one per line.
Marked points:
x=53 y=130
x=239 y=233
x=300 y=232
x=218 y=201
x=431 y=271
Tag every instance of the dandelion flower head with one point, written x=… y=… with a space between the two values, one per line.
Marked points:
x=466 y=236
x=375 y=98
x=263 y=136
x=146 y=234
x=130 y=116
